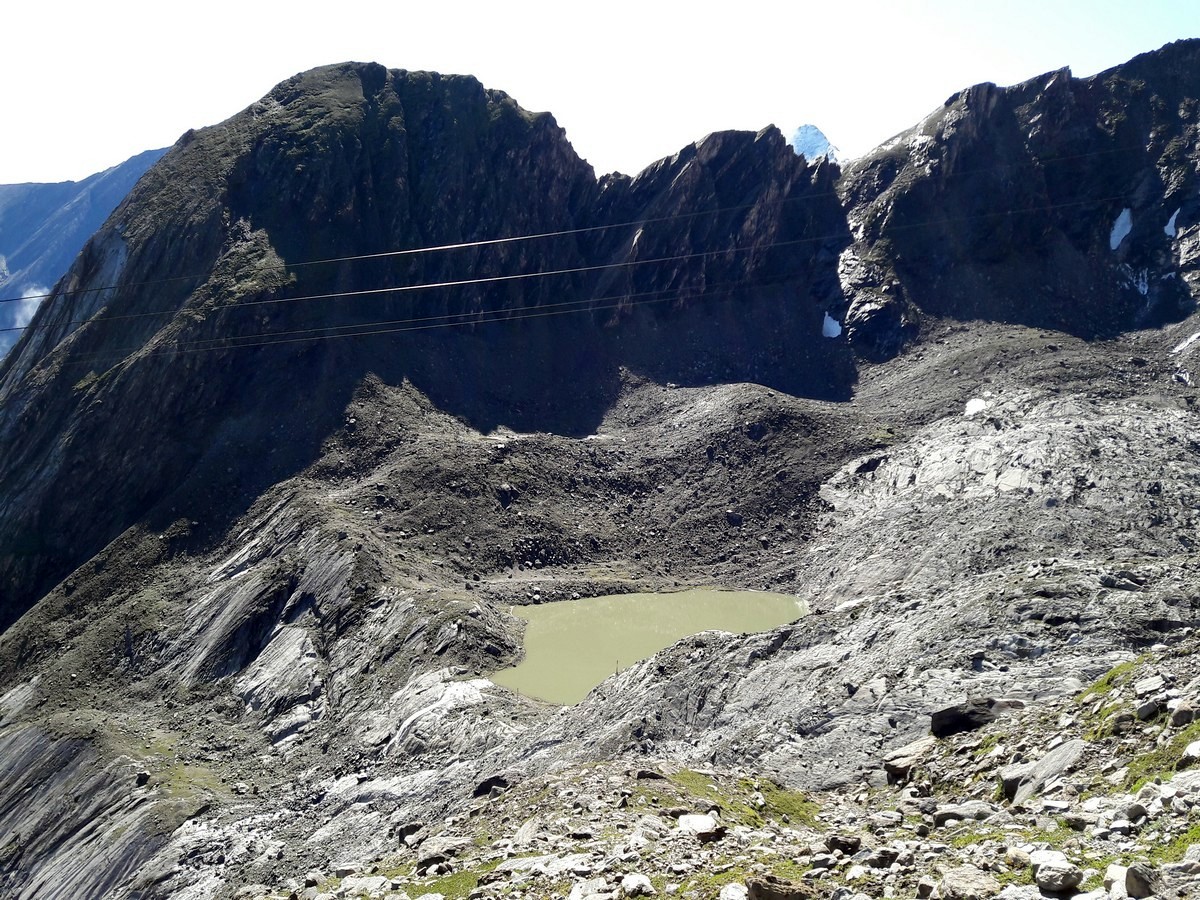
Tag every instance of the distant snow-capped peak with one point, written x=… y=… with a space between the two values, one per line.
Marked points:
x=810 y=142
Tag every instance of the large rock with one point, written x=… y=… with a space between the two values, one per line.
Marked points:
x=968 y=883
x=1024 y=780
x=962 y=717
x=1151 y=684
x=1115 y=875
x=636 y=884
x=771 y=887
x=973 y=810
x=846 y=842
x=1184 y=713
x=1191 y=753
x=899 y=762
x=705 y=827
x=589 y=888
x=1142 y=880
x=1053 y=872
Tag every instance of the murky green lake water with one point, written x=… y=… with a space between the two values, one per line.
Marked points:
x=573 y=645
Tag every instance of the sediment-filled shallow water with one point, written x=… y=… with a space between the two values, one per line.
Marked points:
x=573 y=645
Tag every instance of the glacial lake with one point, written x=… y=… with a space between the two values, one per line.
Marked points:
x=573 y=645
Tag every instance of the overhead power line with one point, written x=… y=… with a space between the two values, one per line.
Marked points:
x=419 y=323
x=241 y=303
x=508 y=314
x=462 y=245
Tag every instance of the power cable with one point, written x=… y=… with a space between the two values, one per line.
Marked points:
x=238 y=304
x=530 y=237
x=367 y=329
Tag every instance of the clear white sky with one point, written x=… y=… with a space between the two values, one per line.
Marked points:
x=87 y=84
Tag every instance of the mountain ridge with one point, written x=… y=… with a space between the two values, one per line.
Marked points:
x=283 y=539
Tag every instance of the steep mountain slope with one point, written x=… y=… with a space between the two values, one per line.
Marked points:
x=1058 y=203
x=354 y=160
x=43 y=227
x=272 y=492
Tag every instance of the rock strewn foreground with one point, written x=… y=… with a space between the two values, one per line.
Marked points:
x=1095 y=797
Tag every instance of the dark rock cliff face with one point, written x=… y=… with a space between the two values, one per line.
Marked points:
x=1055 y=203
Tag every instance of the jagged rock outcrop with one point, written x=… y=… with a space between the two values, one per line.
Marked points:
x=1059 y=203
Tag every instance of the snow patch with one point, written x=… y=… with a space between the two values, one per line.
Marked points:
x=831 y=327
x=976 y=405
x=1138 y=279
x=1169 y=228
x=1121 y=228
x=1183 y=345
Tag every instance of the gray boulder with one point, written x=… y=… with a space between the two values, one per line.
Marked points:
x=1053 y=872
x=1024 y=780
x=1143 y=881
x=962 y=717
x=968 y=883
x=972 y=810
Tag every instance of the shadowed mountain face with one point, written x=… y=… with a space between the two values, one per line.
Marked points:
x=701 y=269
x=43 y=227
x=1056 y=203
x=346 y=376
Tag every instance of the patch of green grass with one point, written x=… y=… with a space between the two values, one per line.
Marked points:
x=87 y=381
x=1020 y=876
x=1100 y=864
x=972 y=836
x=184 y=782
x=1055 y=838
x=734 y=799
x=455 y=886
x=697 y=785
x=1161 y=760
x=1115 y=677
x=1100 y=725
x=883 y=437
x=707 y=885
x=986 y=746
x=793 y=804
x=1173 y=850
x=788 y=869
